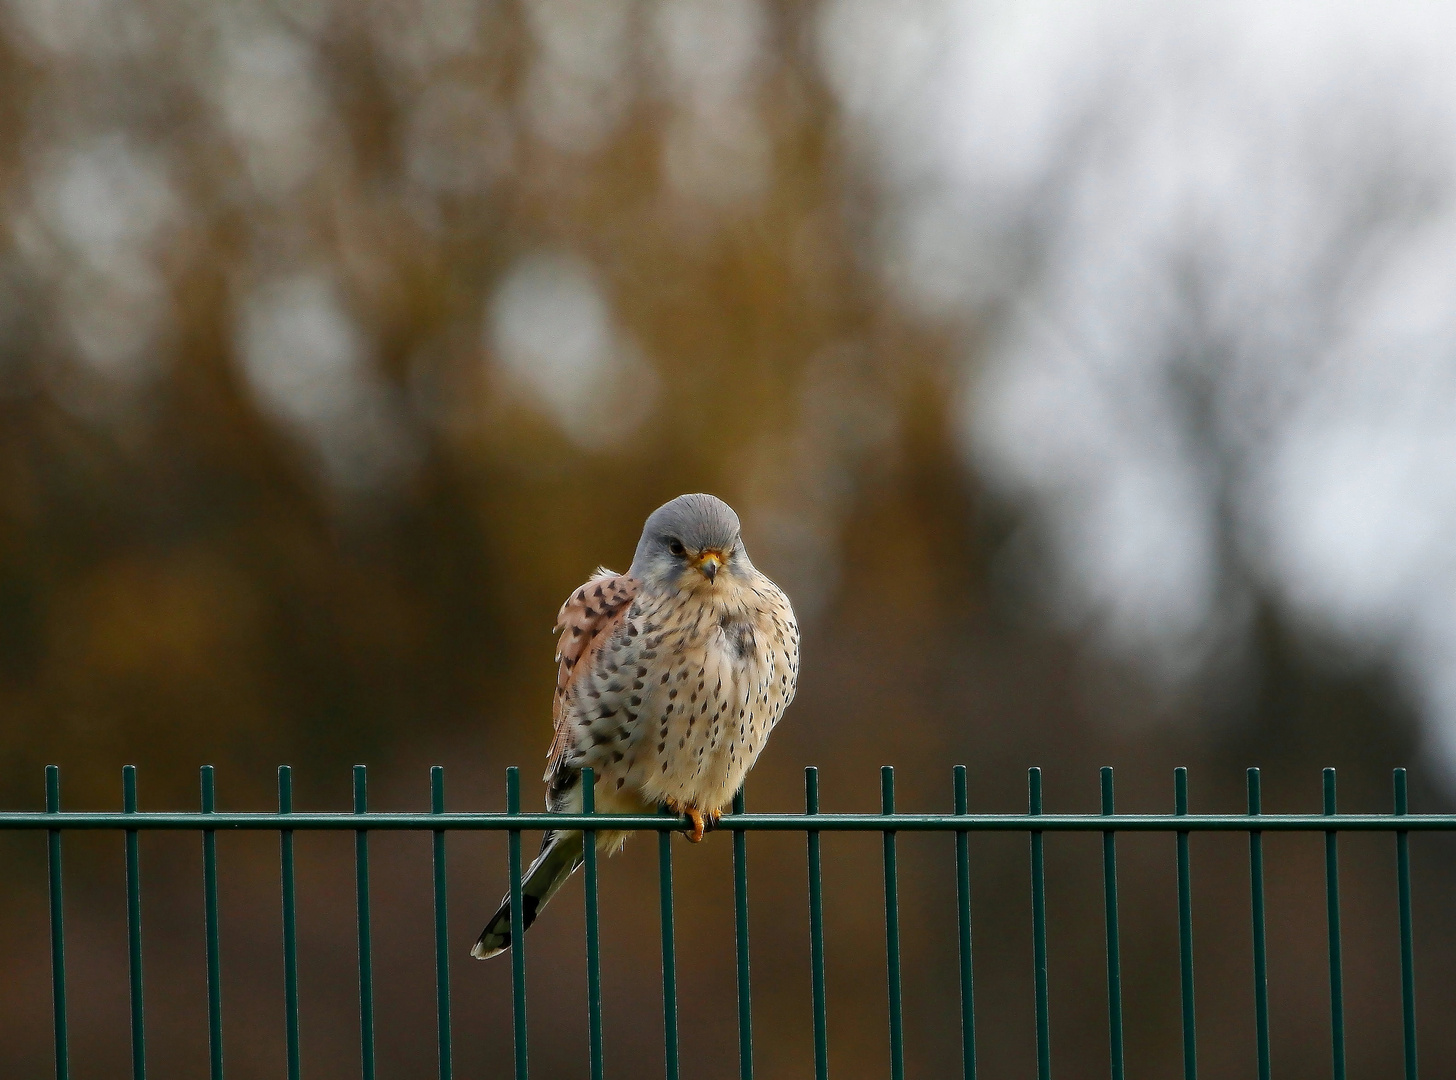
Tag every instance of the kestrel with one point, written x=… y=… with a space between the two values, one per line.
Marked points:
x=669 y=679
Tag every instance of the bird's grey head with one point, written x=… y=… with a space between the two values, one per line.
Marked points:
x=692 y=541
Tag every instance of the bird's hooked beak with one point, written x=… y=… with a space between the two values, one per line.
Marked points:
x=709 y=562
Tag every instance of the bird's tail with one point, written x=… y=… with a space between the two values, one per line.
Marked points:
x=560 y=856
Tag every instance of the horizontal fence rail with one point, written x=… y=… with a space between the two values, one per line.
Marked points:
x=132 y=821
x=488 y=822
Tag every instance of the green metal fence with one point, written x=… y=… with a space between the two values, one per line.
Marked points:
x=131 y=822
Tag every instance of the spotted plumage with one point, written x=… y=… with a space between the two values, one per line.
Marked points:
x=670 y=678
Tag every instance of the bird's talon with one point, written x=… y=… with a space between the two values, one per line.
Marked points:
x=695 y=834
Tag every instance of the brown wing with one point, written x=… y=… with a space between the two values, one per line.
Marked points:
x=586 y=622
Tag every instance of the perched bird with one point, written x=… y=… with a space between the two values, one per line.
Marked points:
x=669 y=679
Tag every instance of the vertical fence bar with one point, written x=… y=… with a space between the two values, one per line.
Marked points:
x=816 y=930
x=963 y=920
x=1332 y=905
x=442 y=930
x=209 y=904
x=1261 y=957
x=1407 y=935
x=290 y=925
x=588 y=855
x=1038 y=930
x=518 y=925
x=740 y=932
x=669 y=952
x=1114 y=941
x=1185 y=930
x=593 y=928
x=134 y=927
x=366 y=946
x=892 y=928
x=58 y=926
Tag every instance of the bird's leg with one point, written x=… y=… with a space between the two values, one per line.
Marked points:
x=695 y=834
x=712 y=818
x=693 y=814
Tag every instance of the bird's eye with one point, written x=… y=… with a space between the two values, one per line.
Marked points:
x=675 y=546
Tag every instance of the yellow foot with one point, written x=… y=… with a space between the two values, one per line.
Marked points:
x=694 y=816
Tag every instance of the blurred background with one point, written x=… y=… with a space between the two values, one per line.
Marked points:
x=1086 y=375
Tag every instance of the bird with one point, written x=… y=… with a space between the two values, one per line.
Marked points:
x=670 y=678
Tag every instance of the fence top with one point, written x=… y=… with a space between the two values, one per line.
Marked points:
x=131 y=819
x=497 y=822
